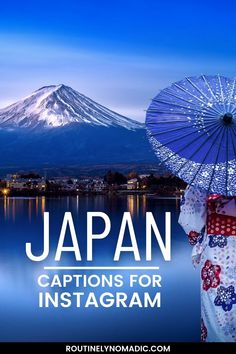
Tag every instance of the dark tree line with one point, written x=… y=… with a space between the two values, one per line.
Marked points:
x=115 y=178
x=150 y=181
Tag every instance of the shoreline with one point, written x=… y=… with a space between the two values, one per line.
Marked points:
x=89 y=194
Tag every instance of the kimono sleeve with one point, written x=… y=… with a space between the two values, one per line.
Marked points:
x=193 y=210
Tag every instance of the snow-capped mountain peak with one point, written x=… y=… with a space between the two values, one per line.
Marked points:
x=60 y=105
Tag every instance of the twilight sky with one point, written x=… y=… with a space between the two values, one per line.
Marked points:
x=119 y=53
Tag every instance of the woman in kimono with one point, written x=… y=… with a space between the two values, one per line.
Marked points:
x=210 y=223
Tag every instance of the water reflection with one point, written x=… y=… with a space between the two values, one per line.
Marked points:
x=13 y=206
x=30 y=209
x=43 y=204
x=21 y=222
x=130 y=204
x=137 y=205
x=37 y=205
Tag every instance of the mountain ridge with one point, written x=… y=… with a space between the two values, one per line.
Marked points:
x=57 y=126
x=58 y=105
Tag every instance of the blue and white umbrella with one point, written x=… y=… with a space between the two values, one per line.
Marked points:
x=192 y=128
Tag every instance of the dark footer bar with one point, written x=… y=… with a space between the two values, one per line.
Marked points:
x=59 y=347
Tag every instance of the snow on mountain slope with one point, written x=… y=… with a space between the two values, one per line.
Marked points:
x=60 y=105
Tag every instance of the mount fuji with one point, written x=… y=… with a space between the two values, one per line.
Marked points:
x=59 y=127
x=57 y=106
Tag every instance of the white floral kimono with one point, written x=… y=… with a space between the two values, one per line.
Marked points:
x=210 y=222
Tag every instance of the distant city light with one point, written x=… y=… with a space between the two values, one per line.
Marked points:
x=5 y=191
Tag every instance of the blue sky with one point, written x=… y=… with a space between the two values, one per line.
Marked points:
x=120 y=53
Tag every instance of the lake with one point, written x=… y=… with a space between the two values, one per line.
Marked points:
x=21 y=221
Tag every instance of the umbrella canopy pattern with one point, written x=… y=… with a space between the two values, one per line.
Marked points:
x=192 y=128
